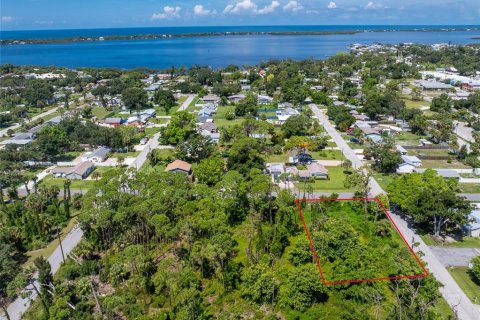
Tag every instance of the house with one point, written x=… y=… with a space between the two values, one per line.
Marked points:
x=372 y=134
x=317 y=171
x=111 y=122
x=405 y=168
x=433 y=85
x=261 y=99
x=210 y=129
x=22 y=139
x=97 y=156
x=301 y=158
x=79 y=172
x=473 y=228
x=209 y=126
x=413 y=160
x=275 y=169
x=444 y=173
x=236 y=98
x=213 y=99
x=179 y=166
x=401 y=149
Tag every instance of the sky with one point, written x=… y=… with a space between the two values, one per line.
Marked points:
x=68 y=14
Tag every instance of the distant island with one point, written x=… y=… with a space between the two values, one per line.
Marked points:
x=225 y=33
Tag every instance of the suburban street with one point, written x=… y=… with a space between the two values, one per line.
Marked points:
x=451 y=292
x=17 y=125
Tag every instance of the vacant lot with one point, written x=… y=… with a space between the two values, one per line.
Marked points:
x=355 y=240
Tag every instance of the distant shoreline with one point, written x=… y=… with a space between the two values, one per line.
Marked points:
x=219 y=34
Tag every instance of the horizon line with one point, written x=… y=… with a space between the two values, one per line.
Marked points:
x=250 y=25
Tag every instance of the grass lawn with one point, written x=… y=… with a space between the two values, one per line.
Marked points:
x=429 y=152
x=465 y=280
x=151 y=131
x=59 y=182
x=100 y=112
x=443 y=164
x=327 y=155
x=131 y=154
x=220 y=120
x=49 y=248
x=51 y=116
x=411 y=104
x=335 y=184
x=408 y=138
x=383 y=179
x=469 y=187
x=466 y=242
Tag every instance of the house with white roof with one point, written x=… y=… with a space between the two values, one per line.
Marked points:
x=473 y=228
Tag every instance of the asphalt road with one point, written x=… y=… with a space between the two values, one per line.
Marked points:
x=455 y=257
x=452 y=293
x=21 y=305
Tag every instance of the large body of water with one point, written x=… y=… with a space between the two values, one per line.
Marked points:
x=215 y=51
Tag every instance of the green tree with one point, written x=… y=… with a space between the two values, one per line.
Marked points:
x=196 y=148
x=248 y=105
x=476 y=267
x=245 y=154
x=209 y=170
x=134 y=98
x=164 y=99
x=430 y=199
x=303 y=288
x=182 y=125
x=297 y=126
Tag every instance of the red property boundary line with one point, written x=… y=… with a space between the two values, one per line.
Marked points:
x=298 y=201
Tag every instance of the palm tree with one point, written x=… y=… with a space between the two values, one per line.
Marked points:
x=96 y=175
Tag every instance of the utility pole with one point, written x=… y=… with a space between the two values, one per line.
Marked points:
x=60 y=242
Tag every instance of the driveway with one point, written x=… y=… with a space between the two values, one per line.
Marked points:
x=455 y=257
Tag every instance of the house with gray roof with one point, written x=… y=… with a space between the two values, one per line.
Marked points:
x=97 y=156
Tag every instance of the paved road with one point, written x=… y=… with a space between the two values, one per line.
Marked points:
x=347 y=151
x=455 y=257
x=20 y=305
x=187 y=102
x=142 y=157
x=17 y=125
x=452 y=293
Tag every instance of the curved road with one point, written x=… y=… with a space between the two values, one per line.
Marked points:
x=451 y=292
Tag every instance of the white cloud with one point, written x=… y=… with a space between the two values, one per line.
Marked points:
x=200 y=11
x=7 y=19
x=270 y=8
x=312 y=11
x=374 y=6
x=241 y=6
x=248 y=6
x=293 y=6
x=168 y=13
x=44 y=22
x=332 y=5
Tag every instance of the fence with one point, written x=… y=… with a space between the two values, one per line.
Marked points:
x=427 y=147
